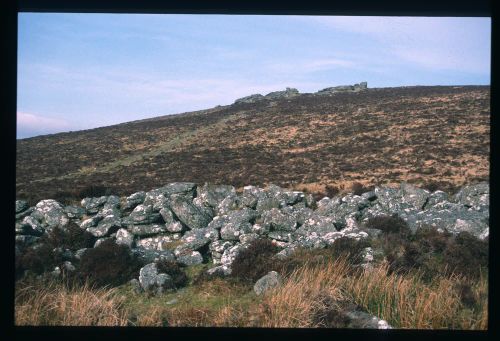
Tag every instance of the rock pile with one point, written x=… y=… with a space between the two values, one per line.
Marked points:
x=192 y=224
x=343 y=88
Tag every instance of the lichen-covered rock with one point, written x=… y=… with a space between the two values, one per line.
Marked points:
x=30 y=226
x=21 y=205
x=190 y=215
x=92 y=205
x=189 y=257
x=134 y=199
x=435 y=198
x=230 y=254
x=142 y=215
x=267 y=282
x=74 y=212
x=196 y=239
x=160 y=243
x=414 y=196
x=52 y=214
x=152 y=281
x=250 y=196
x=249 y=99
x=151 y=255
x=147 y=230
x=106 y=226
x=277 y=220
x=475 y=196
x=124 y=237
x=217 y=249
x=91 y=222
x=229 y=203
x=212 y=195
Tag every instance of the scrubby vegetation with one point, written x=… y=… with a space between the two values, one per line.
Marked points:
x=108 y=264
x=50 y=251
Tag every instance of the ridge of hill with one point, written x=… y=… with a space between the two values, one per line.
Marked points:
x=425 y=135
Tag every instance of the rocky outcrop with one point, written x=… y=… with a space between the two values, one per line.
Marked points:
x=267 y=282
x=343 y=88
x=292 y=92
x=191 y=225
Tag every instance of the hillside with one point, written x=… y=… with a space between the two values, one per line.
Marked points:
x=435 y=136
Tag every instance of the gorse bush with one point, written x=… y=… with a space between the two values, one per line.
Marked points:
x=108 y=264
x=255 y=261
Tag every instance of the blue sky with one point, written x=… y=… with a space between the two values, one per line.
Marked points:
x=81 y=71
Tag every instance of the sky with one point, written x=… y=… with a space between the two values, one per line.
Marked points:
x=82 y=71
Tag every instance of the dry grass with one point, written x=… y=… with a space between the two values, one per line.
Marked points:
x=292 y=305
x=405 y=301
x=57 y=304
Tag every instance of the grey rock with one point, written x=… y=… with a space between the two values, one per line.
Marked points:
x=196 y=239
x=106 y=226
x=160 y=243
x=134 y=199
x=414 y=196
x=91 y=222
x=147 y=230
x=136 y=286
x=435 y=198
x=230 y=254
x=92 y=205
x=80 y=252
x=250 y=196
x=213 y=195
x=276 y=220
x=248 y=238
x=229 y=203
x=267 y=282
x=167 y=215
x=174 y=227
x=24 y=213
x=362 y=320
x=217 y=249
x=287 y=93
x=249 y=99
x=30 y=226
x=151 y=255
x=52 y=214
x=189 y=257
x=21 y=205
x=475 y=196
x=152 y=281
x=124 y=237
x=74 y=212
x=68 y=266
x=190 y=215
x=142 y=215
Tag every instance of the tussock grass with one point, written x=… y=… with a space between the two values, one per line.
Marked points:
x=58 y=304
x=312 y=295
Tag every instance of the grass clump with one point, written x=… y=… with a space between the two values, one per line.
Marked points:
x=55 y=304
